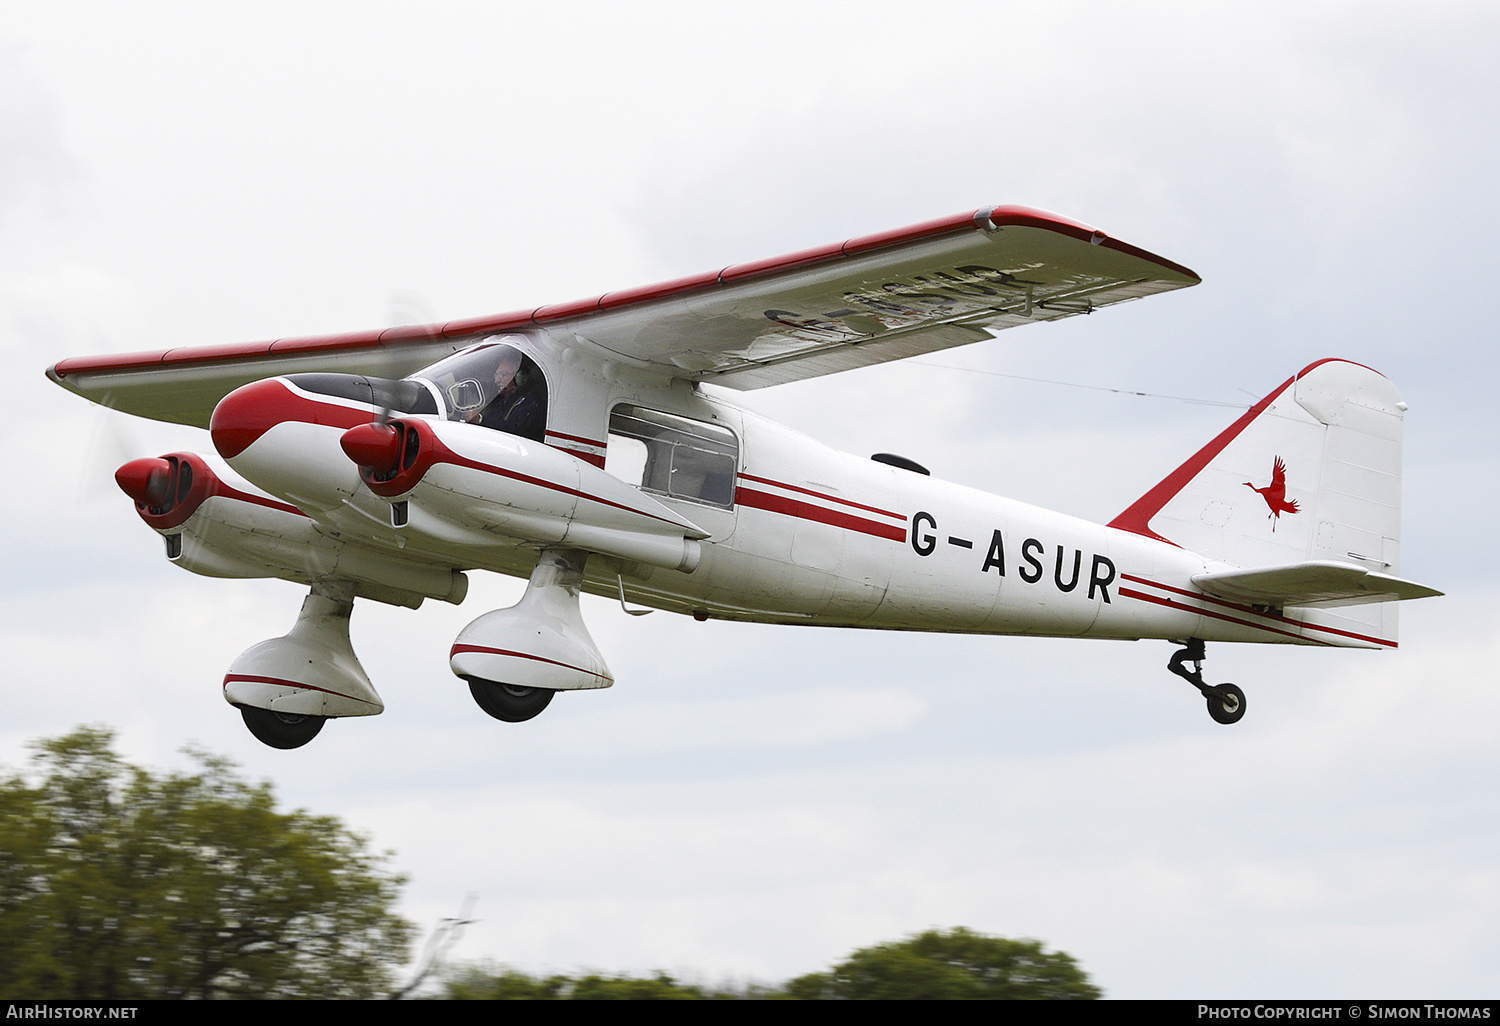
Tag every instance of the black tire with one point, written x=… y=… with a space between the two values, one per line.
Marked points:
x=1228 y=709
x=509 y=702
x=281 y=730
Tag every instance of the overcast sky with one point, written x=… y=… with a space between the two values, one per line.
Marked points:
x=754 y=802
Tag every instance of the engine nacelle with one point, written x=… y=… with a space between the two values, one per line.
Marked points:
x=311 y=671
x=222 y=527
x=453 y=487
x=454 y=480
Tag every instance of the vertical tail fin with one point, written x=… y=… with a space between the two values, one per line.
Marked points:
x=1307 y=484
x=1312 y=471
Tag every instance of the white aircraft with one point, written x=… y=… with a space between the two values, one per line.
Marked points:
x=579 y=446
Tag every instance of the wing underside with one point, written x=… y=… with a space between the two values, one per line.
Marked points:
x=868 y=300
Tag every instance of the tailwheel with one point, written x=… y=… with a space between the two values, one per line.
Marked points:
x=509 y=702
x=1228 y=705
x=281 y=730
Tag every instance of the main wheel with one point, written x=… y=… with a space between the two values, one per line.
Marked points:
x=507 y=701
x=1228 y=709
x=281 y=730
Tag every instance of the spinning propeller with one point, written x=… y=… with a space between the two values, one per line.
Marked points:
x=376 y=447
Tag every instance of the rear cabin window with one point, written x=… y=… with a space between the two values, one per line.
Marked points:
x=672 y=455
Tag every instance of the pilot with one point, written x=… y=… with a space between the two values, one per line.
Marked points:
x=516 y=408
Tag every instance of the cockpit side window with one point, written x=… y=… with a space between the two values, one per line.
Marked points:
x=672 y=455
x=495 y=385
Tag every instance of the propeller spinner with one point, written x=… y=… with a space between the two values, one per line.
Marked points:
x=376 y=445
x=148 y=481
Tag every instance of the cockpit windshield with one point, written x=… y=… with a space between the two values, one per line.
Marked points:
x=492 y=384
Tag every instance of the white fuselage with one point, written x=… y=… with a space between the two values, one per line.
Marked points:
x=811 y=535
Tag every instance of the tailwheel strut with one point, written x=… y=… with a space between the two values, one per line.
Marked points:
x=1226 y=703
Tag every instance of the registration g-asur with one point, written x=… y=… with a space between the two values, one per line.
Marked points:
x=595 y=446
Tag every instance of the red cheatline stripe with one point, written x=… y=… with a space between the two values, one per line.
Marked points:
x=828 y=498
x=575 y=438
x=524 y=655
x=290 y=684
x=807 y=511
x=595 y=459
x=1173 y=604
x=591 y=458
x=1248 y=610
x=457 y=460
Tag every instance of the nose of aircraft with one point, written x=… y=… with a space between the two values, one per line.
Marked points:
x=251 y=410
x=248 y=412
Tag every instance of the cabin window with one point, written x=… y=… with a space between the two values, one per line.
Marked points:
x=671 y=455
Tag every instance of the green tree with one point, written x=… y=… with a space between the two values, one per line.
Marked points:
x=501 y=983
x=958 y=964
x=119 y=883
x=955 y=965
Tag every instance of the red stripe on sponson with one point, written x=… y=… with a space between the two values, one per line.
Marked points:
x=253 y=679
x=456 y=649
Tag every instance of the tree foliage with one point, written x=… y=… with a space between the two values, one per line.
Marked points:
x=953 y=965
x=117 y=883
x=489 y=983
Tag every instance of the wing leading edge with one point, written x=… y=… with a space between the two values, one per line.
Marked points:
x=867 y=300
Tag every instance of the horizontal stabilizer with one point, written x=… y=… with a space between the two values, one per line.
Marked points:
x=1313 y=583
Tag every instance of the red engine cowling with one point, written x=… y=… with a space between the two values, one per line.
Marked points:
x=453 y=476
x=225 y=528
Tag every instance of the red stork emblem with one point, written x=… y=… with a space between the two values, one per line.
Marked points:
x=1275 y=493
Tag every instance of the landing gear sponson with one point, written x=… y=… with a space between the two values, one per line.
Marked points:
x=1226 y=703
x=286 y=688
x=516 y=659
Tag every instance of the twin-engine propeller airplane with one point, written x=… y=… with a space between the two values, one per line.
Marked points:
x=577 y=445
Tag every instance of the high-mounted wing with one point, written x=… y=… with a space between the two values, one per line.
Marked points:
x=880 y=297
x=868 y=300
